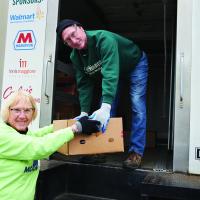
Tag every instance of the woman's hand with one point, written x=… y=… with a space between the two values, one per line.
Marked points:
x=86 y=126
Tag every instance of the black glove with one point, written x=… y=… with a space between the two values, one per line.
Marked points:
x=89 y=126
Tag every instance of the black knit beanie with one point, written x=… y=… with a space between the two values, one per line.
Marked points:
x=64 y=24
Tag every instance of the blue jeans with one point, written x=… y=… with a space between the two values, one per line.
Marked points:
x=138 y=86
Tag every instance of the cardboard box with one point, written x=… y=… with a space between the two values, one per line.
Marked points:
x=59 y=124
x=110 y=141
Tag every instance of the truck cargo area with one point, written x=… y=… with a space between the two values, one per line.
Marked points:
x=35 y=60
x=152 y=25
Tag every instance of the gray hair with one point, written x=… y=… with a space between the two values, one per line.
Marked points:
x=13 y=99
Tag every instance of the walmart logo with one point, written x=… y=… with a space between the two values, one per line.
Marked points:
x=19 y=18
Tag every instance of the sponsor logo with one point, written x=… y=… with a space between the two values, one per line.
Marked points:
x=17 y=18
x=31 y=168
x=22 y=69
x=27 y=17
x=24 y=40
x=23 y=63
x=10 y=89
x=39 y=13
x=24 y=2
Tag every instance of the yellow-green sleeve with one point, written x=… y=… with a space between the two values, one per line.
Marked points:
x=42 y=131
x=16 y=146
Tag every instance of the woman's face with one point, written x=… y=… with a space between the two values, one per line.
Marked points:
x=20 y=115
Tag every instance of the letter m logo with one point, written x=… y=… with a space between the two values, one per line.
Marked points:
x=24 y=40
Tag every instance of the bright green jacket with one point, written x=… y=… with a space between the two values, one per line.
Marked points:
x=108 y=57
x=19 y=155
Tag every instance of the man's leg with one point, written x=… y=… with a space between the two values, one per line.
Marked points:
x=138 y=85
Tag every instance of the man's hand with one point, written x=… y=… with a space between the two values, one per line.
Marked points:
x=102 y=115
x=87 y=126
x=81 y=115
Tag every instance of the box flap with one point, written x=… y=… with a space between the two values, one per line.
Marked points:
x=59 y=124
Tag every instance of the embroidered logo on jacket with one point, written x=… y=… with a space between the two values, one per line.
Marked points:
x=91 y=69
x=31 y=168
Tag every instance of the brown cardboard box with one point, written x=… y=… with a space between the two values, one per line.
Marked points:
x=58 y=124
x=110 y=141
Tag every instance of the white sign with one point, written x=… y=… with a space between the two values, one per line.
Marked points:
x=25 y=40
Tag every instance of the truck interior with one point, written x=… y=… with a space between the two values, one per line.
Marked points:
x=152 y=25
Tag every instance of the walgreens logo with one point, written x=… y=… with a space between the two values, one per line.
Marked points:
x=24 y=40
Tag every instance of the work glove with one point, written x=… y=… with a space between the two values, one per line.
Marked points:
x=87 y=126
x=81 y=115
x=102 y=115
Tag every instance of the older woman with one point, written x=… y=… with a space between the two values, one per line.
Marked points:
x=20 y=148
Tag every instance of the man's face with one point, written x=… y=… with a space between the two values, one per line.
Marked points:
x=20 y=115
x=75 y=37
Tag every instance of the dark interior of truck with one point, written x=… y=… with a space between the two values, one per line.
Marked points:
x=152 y=25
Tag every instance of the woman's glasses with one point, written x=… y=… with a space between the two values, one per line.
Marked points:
x=26 y=111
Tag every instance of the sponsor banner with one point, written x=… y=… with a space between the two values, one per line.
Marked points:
x=24 y=52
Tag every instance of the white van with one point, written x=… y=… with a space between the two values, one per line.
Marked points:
x=33 y=59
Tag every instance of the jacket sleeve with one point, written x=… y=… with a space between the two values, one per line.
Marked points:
x=85 y=90
x=16 y=146
x=42 y=131
x=84 y=84
x=109 y=54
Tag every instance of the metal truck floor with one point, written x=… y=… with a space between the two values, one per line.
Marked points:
x=156 y=159
x=74 y=180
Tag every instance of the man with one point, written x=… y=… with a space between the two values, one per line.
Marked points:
x=106 y=58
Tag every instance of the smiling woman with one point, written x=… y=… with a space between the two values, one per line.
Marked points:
x=19 y=111
x=21 y=148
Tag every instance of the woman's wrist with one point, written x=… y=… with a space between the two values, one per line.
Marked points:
x=74 y=128
x=77 y=127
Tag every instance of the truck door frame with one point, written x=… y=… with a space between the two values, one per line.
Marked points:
x=182 y=101
x=49 y=63
x=3 y=27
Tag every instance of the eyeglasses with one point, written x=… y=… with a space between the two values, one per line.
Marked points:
x=26 y=111
x=71 y=36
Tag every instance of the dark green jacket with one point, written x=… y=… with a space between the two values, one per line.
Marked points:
x=108 y=56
